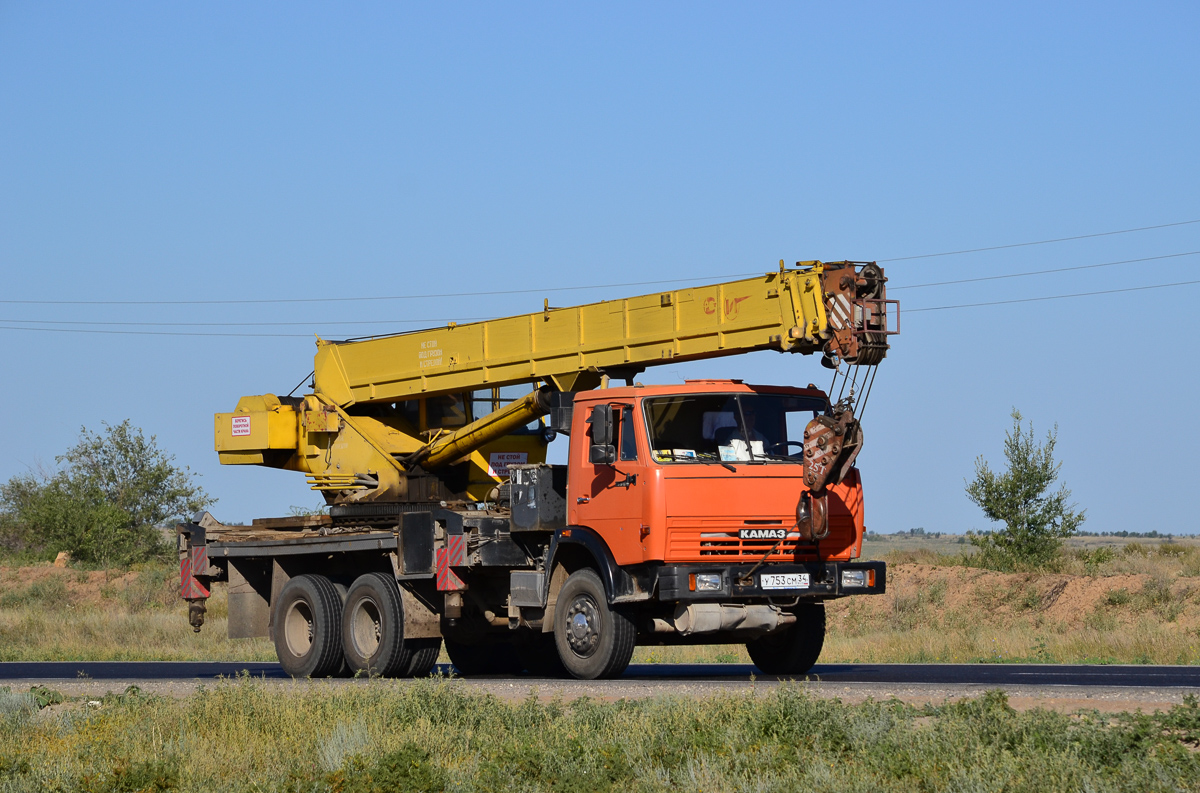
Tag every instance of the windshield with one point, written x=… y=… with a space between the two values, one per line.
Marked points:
x=717 y=428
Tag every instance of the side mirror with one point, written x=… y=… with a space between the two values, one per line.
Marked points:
x=602 y=450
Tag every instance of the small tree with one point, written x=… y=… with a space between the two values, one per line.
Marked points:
x=133 y=474
x=103 y=504
x=1035 y=521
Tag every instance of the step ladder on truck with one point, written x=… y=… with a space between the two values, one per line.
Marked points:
x=704 y=513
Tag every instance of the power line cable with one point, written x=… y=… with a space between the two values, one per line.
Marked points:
x=444 y=320
x=546 y=289
x=309 y=336
x=1040 y=242
x=311 y=324
x=1049 y=297
x=164 y=333
x=487 y=293
x=1042 y=272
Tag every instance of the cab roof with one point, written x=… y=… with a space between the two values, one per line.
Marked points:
x=706 y=386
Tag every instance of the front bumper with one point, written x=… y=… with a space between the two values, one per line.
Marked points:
x=824 y=581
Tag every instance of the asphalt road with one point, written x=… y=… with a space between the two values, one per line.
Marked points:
x=917 y=674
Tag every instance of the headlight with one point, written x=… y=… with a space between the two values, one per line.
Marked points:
x=854 y=578
x=706 y=582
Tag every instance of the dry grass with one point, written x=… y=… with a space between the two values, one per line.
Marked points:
x=48 y=613
x=1135 y=603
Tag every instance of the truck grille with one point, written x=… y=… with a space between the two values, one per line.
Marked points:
x=718 y=539
x=708 y=543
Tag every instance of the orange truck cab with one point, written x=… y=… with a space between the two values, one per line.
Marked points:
x=681 y=503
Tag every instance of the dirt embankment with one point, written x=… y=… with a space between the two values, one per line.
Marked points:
x=992 y=598
x=49 y=586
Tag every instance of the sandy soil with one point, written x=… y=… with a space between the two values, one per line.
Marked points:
x=84 y=587
x=999 y=598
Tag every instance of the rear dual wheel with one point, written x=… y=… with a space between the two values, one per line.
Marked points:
x=321 y=631
x=373 y=632
x=308 y=627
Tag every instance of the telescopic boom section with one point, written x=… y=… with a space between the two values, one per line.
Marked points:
x=456 y=445
x=387 y=410
x=834 y=308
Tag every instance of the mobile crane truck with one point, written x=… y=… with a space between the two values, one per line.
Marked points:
x=708 y=512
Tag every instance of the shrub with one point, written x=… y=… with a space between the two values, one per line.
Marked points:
x=1030 y=599
x=16 y=706
x=45 y=697
x=1156 y=595
x=151 y=776
x=103 y=504
x=409 y=768
x=1092 y=560
x=1118 y=597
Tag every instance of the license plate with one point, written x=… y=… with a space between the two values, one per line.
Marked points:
x=783 y=581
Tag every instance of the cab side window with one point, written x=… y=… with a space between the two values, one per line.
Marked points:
x=628 y=439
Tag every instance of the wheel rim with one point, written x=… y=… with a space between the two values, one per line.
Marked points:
x=366 y=627
x=298 y=628
x=583 y=626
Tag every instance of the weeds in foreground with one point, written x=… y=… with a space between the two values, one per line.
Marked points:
x=437 y=735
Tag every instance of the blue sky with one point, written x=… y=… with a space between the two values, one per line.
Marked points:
x=226 y=151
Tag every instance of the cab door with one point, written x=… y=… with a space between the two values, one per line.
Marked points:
x=610 y=497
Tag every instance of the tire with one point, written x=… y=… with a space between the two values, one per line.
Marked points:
x=425 y=653
x=373 y=628
x=594 y=640
x=344 y=670
x=538 y=655
x=792 y=651
x=484 y=658
x=308 y=627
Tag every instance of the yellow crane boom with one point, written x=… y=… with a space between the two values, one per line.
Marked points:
x=570 y=346
x=387 y=410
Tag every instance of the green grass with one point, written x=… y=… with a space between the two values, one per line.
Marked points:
x=434 y=735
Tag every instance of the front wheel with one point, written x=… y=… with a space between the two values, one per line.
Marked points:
x=594 y=640
x=794 y=650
